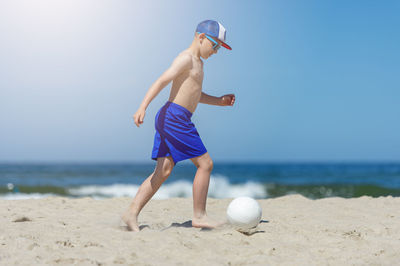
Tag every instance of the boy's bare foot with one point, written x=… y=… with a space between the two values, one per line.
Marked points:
x=206 y=222
x=130 y=219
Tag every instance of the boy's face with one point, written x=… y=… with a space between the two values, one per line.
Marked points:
x=206 y=46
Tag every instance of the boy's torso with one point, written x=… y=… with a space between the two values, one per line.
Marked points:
x=186 y=88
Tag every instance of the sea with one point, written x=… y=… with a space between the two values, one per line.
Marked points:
x=228 y=180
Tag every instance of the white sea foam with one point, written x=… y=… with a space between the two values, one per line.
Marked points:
x=219 y=188
x=23 y=196
x=115 y=190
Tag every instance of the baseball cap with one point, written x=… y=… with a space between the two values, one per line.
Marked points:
x=214 y=29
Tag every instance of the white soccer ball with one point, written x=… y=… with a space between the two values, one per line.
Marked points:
x=244 y=213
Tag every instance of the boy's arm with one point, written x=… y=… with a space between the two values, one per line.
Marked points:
x=225 y=100
x=179 y=65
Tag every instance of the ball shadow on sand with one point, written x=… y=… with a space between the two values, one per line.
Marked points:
x=254 y=230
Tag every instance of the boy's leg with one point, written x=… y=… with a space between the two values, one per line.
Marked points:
x=201 y=181
x=148 y=188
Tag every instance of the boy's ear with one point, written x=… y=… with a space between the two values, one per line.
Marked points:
x=201 y=35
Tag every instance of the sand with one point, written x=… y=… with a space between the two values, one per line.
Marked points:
x=294 y=231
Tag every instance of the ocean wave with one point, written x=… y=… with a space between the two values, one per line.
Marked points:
x=219 y=187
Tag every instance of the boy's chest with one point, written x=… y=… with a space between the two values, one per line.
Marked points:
x=197 y=73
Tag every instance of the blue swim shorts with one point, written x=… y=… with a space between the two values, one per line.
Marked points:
x=176 y=135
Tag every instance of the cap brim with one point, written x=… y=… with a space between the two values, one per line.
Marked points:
x=226 y=46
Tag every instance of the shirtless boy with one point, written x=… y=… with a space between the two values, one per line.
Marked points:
x=176 y=137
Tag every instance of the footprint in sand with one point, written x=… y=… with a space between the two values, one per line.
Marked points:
x=22 y=219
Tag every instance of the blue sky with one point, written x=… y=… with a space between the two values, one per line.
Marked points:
x=314 y=80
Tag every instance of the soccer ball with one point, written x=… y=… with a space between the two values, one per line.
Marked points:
x=244 y=213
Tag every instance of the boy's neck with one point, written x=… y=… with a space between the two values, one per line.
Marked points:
x=194 y=49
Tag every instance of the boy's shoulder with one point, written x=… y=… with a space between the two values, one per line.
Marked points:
x=184 y=60
x=184 y=56
x=187 y=57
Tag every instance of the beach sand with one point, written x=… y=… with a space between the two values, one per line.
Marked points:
x=294 y=231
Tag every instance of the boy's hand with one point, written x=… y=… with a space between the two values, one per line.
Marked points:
x=228 y=100
x=139 y=116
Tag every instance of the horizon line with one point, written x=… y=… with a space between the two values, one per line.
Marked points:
x=147 y=162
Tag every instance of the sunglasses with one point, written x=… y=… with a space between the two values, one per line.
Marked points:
x=216 y=45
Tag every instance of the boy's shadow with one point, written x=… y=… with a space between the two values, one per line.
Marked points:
x=126 y=228
x=187 y=224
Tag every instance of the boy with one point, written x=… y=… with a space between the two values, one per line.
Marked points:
x=176 y=137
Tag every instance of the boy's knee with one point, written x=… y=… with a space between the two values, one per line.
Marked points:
x=167 y=170
x=207 y=164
